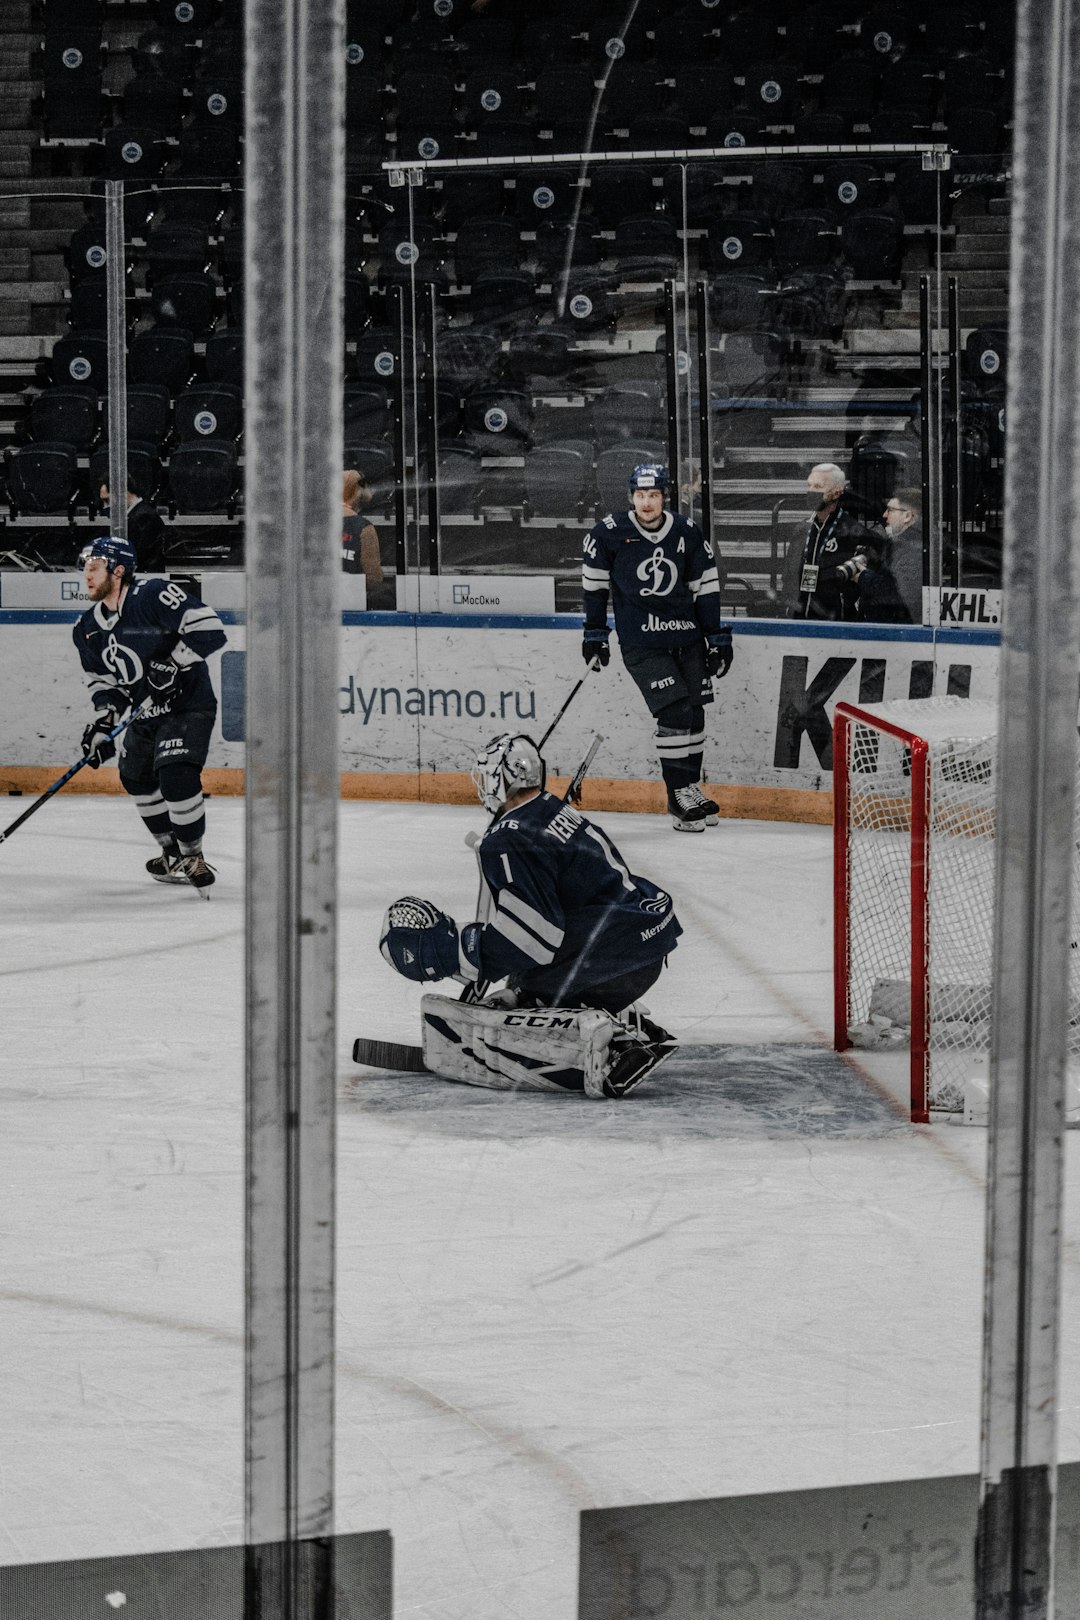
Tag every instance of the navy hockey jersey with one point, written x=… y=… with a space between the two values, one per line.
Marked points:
x=560 y=911
x=157 y=618
x=664 y=587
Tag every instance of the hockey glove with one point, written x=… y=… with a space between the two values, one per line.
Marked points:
x=97 y=745
x=719 y=652
x=161 y=677
x=595 y=649
x=421 y=942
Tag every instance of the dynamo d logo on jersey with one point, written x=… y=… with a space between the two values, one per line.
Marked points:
x=662 y=573
x=122 y=662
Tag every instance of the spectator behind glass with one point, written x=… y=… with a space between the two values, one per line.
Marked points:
x=816 y=581
x=145 y=529
x=903 y=525
x=877 y=599
x=359 y=542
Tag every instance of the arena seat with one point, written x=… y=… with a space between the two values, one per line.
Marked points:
x=539 y=351
x=491 y=97
x=809 y=303
x=43 y=477
x=188 y=300
x=740 y=241
x=376 y=356
x=985 y=359
x=81 y=358
x=162 y=354
x=498 y=298
x=873 y=244
x=468 y=356
x=88 y=309
x=496 y=420
x=618 y=190
x=558 y=480
x=133 y=152
x=771 y=89
x=66 y=414
x=563 y=98
x=225 y=356
x=741 y=301
x=209 y=411
x=143 y=470
x=367 y=414
x=202 y=478
x=153 y=102
x=627 y=410
x=558 y=237
x=149 y=408
x=464 y=196
x=485 y=245
x=209 y=151
x=590 y=300
x=806 y=237
x=176 y=247
x=460 y=480
x=613 y=469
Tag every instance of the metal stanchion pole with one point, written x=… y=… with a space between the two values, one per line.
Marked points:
x=293 y=352
x=1035 y=826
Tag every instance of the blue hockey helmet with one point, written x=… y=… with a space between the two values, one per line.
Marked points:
x=504 y=765
x=650 y=475
x=113 y=551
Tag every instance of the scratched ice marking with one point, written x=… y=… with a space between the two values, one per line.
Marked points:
x=701 y=1092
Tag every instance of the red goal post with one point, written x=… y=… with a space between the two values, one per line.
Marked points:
x=913 y=881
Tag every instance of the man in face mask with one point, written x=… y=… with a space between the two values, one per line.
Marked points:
x=816 y=582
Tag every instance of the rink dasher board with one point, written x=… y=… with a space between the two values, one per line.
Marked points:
x=420 y=692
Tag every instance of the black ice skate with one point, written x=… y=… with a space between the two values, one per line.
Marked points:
x=712 y=809
x=687 y=809
x=636 y=1054
x=165 y=868
x=194 y=870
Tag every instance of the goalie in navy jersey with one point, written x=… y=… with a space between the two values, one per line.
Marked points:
x=665 y=593
x=563 y=923
x=143 y=645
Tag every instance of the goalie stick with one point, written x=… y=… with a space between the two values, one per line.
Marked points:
x=410 y=1059
x=62 y=781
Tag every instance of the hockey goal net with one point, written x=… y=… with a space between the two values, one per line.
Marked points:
x=914 y=825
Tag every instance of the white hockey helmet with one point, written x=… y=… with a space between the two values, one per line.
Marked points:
x=504 y=765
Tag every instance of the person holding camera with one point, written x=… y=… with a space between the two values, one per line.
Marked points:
x=877 y=595
x=816 y=583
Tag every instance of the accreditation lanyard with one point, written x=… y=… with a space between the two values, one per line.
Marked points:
x=816 y=536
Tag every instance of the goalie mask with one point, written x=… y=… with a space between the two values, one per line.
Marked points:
x=504 y=766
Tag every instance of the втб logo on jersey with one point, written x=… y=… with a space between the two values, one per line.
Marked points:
x=661 y=571
x=122 y=662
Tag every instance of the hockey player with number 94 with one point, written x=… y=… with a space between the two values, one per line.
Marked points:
x=570 y=933
x=665 y=591
x=143 y=645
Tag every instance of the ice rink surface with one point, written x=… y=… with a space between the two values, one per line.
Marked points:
x=751 y=1275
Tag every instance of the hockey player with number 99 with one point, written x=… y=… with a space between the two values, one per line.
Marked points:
x=563 y=923
x=143 y=645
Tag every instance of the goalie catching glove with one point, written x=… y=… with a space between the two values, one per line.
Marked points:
x=422 y=943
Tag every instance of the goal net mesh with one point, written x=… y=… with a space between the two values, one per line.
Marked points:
x=920 y=812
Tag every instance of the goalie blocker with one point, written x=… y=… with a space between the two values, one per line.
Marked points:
x=560 y=1049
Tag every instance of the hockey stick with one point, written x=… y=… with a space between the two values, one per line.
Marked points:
x=562 y=711
x=410 y=1059
x=389 y=1055
x=65 y=779
x=573 y=792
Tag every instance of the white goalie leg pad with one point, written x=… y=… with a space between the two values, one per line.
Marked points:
x=534 y=1048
